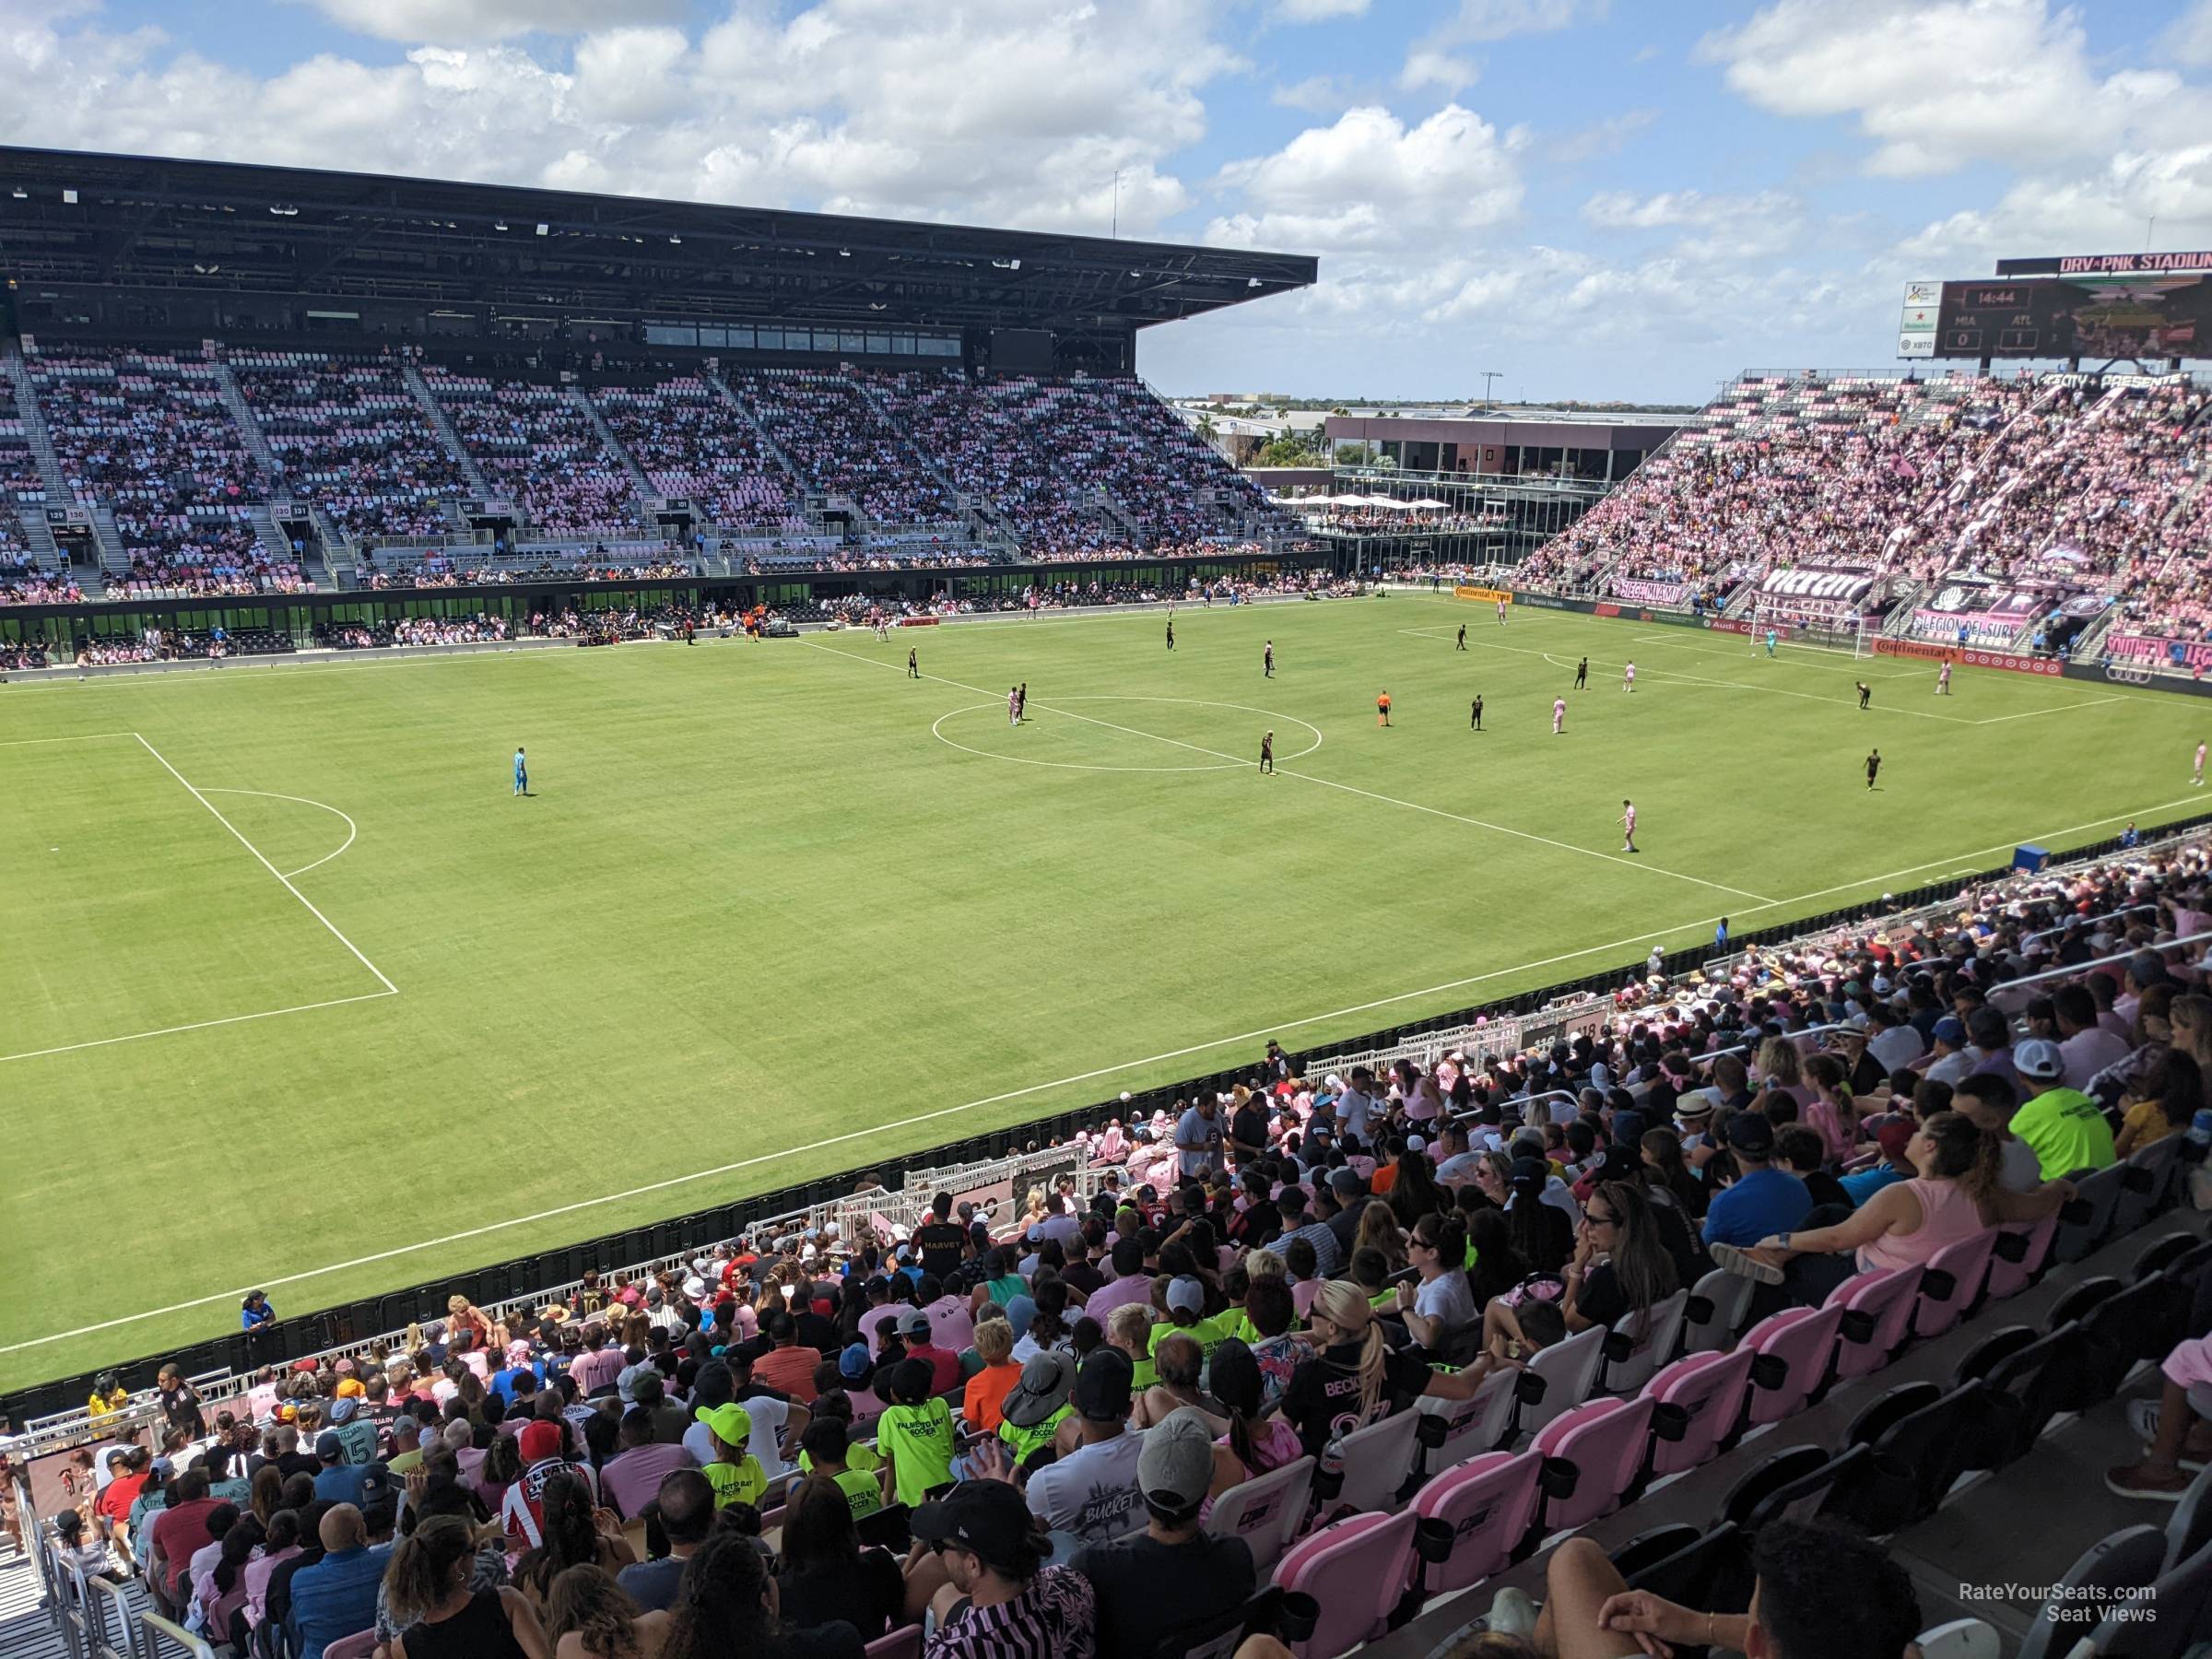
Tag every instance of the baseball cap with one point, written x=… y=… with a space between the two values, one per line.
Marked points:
x=329 y=1448
x=1750 y=1131
x=376 y=1482
x=2039 y=1059
x=1046 y=1380
x=913 y=1325
x=343 y=1410
x=1103 y=1386
x=732 y=1424
x=1893 y=1138
x=1347 y=1181
x=852 y=1364
x=1951 y=1028
x=1186 y=1294
x=538 y=1441
x=1175 y=1470
x=989 y=1517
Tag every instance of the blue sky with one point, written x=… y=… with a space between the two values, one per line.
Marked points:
x=1598 y=200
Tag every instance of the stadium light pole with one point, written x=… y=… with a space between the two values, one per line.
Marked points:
x=1115 y=233
x=1488 y=375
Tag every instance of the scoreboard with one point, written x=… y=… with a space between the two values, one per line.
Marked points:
x=2147 y=315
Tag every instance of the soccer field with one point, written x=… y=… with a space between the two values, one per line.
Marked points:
x=297 y=994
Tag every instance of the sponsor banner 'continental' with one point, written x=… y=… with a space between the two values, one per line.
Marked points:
x=1492 y=595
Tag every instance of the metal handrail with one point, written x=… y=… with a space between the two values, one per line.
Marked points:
x=2008 y=1000
x=154 y=1630
x=2126 y=910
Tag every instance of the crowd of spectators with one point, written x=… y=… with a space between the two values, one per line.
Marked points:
x=845 y=444
x=2056 y=484
x=537 y=446
x=25 y=581
x=688 y=442
x=349 y=434
x=21 y=483
x=147 y=435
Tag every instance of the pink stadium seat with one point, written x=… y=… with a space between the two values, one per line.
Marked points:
x=1791 y=1351
x=1471 y=1426
x=1604 y=1443
x=1481 y=1509
x=1357 y=1570
x=1709 y=1389
x=2009 y=1278
x=902 y=1643
x=1966 y=1263
x=1877 y=1313
x=1265 y=1512
x=358 y=1645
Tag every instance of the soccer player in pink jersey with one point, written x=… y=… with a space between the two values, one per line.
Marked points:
x=2198 y=781
x=1628 y=677
x=1559 y=715
x=1628 y=825
x=1943 y=678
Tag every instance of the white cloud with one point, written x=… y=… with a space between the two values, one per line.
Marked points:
x=1319 y=11
x=856 y=105
x=1938 y=85
x=2102 y=212
x=1370 y=180
x=1624 y=210
x=1600 y=138
x=2189 y=42
x=1317 y=94
x=1427 y=68
x=1501 y=20
x=472 y=22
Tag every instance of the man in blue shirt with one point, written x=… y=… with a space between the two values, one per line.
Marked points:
x=1763 y=1201
x=337 y=1596
x=336 y=1481
x=521 y=773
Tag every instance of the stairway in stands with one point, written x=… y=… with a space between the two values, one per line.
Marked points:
x=445 y=428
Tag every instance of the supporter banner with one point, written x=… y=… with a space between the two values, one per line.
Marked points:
x=1818 y=581
x=2059 y=378
x=1935 y=653
x=1492 y=595
x=1972 y=600
x=1651 y=593
x=2157 y=649
x=917 y=621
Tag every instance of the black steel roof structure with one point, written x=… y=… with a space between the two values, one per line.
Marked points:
x=210 y=234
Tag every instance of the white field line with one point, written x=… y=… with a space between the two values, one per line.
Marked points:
x=942 y=1112
x=1331 y=784
x=197 y=1025
x=2057 y=708
x=1674 y=639
x=352 y=828
x=80 y=737
x=282 y=879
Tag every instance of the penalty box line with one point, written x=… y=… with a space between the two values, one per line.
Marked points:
x=1649 y=869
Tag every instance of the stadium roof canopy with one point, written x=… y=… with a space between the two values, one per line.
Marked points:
x=72 y=221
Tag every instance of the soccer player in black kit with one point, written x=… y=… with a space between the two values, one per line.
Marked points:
x=1268 y=662
x=1582 y=675
x=1475 y=718
x=1463 y=636
x=1866 y=692
x=1873 y=765
x=1267 y=753
x=913 y=664
x=1170 y=633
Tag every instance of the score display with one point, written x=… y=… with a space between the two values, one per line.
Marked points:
x=2147 y=316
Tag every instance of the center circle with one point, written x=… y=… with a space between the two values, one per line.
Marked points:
x=936 y=730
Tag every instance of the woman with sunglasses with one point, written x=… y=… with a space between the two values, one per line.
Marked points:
x=1442 y=1304
x=1621 y=1265
x=1356 y=1378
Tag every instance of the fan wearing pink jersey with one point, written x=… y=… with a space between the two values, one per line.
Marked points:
x=1628 y=825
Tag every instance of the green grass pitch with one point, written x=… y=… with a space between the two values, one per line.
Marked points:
x=776 y=910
